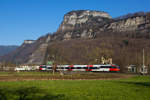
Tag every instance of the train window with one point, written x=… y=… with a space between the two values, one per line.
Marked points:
x=105 y=67
x=93 y=68
x=109 y=66
x=113 y=67
x=42 y=66
x=85 y=67
x=49 y=67
x=61 y=68
x=70 y=68
x=78 y=67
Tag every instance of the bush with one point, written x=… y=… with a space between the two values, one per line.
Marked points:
x=28 y=93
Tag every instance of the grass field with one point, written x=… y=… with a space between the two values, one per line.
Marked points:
x=135 y=88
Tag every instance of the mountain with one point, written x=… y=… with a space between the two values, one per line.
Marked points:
x=31 y=52
x=84 y=36
x=6 y=49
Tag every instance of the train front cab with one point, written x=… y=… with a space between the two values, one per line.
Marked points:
x=114 y=68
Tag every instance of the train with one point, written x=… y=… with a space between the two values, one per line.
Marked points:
x=91 y=68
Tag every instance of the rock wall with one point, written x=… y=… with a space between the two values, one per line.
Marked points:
x=87 y=24
x=38 y=55
x=73 y=18
x=130 y=24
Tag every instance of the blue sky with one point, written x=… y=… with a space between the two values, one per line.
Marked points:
x=30 y=19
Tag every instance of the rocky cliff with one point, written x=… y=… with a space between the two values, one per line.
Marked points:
x=82 y=24
x=130 y=24
x=77 y=18
x=88 y=24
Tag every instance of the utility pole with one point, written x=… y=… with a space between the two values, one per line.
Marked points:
x=143 y=69
x=143 y=58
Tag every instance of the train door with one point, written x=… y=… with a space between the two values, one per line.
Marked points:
x=70 y=68
x=89 y=68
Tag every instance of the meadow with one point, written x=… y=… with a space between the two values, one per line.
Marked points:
x=134 y=88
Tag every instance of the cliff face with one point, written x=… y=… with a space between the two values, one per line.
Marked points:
x=38 y=56
x=88 y=24
x=76 y=18
x=81 y=24
x=130 y=24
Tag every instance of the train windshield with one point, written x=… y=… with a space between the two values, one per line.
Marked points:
x=116 y=66
x=42 y=66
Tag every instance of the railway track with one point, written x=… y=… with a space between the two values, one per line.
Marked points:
x=105 y=76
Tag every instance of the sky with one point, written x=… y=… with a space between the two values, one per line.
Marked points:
x=29 y=19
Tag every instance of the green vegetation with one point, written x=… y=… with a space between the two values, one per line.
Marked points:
x=136 y=88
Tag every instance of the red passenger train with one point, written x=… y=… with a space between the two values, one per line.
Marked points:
x=92 y=68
